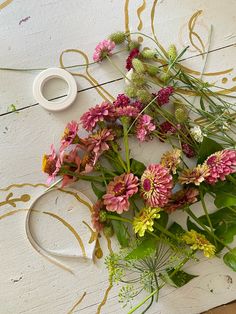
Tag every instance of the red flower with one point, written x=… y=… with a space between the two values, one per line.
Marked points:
x=133 y=54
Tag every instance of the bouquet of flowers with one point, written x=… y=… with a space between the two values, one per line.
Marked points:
x=134 y=200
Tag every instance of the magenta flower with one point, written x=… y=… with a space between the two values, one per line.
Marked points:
x=121 y=101
x=156 y=185
x=49 y=165
x=99 y=142
x=188 y=150
x=128 y=111
x=70 y=134
x=133 y=54
x=103 y=49
x=163 y=95
x=119 y=191
x=98 y=113
x=95 y=217
x=144 y=127
x=221 y=164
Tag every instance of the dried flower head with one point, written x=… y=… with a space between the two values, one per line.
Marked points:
x=98 y=225
x=70 y=134
x=156 y=185
x=118 y=37
x=196 y=133
x=199 y=242
x=181 y=199
x=50 y=165
x=171 y=160
x=144 y=221
x=195 y=176
x=133 y=54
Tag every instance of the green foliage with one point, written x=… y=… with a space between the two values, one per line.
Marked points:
x=208 y=147
x=99 y=193
x=176 y=229
x=224 y=224
x=230 y=259
x=121 y=232
x=137 y=167
x=144 y=249
x=178 y=279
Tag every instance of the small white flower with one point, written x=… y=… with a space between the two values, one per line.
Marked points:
x=196 y=133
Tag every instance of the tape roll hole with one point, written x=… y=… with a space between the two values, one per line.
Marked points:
x=54 y=87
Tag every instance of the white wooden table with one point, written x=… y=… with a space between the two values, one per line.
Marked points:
x=33 y=34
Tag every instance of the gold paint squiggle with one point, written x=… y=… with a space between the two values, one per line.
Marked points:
x=126 y=12
x=5 y=3
x=100 y=90
x=192 y=33
x=12 y=201
x=94 y=235
x=77 y=197
x=139 y=12
x=191 y=71
x=153 y=11
x=77 y=303
x=75 y=233
x=109 y=245
x=104 y=299
x=15 y=185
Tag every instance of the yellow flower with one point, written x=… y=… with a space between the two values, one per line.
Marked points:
x=171 y=159
x=196 y=175
x=145 y=220
x=199 y=242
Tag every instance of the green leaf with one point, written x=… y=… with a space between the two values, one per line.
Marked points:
x=99 y=193
x=224 y=223
x=144 y=249
x=137 y=167
x=176 y=229
x=163 y=220
x=179 y=279
x=207 y=148
x=225 y=199
x=121 y=232
x=230 y=259
x=202 y=104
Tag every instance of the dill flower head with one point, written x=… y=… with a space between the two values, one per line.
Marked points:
x=171 y=160
x=145 y=220
x=196 y=175
x=199 y=242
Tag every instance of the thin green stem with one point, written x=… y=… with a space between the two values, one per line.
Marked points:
x=206 y=213
x=126 y=144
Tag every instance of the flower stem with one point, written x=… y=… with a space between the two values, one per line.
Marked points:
x=206 y=213
x=82 y=177
x=232 y=179
x=126 y=144
x=113 y=217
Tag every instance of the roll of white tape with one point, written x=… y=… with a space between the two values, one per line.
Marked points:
x=47 y=75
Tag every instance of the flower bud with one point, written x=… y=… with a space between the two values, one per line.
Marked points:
x=144 y=96
x=138 y=65
x=152 y=70
x=118 y=37
x=138 y=79
x=164 y=77
x=149 y=53
x=131 y=91
x=133 y=44
x=102 y=215
x=108 y=231
x=181 y=115
x=172 y=53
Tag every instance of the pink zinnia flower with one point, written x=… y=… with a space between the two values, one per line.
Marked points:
x=99 y=142
x=103 y=49
x=98 y=113
x=119 y=191
x=97 y=224
x=144 y=127
x=163 y=95
x=133 y=54
x=49 y=165
x=156 y=185
x=69 y=162
x=70 y=134
x=188 y=150
x=128 y=111
x=221 y=164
